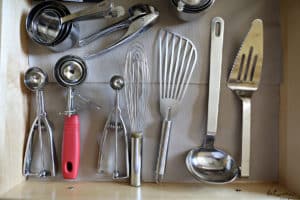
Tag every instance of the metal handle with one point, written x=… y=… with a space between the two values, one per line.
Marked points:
x=246 y=137
x=216 y=50
x=136 y=159
x=136 y=26
x=43 y=128
x=101 y=10
x=163 y=150
x=100 y=33
x=28 y=151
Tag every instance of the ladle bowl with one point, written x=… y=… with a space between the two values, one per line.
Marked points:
x=211 y=165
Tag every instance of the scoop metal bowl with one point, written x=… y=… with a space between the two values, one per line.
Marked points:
x=35 y=79
x=117 y=82
x=70 y=71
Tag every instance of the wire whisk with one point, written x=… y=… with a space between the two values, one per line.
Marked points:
x=136 y=94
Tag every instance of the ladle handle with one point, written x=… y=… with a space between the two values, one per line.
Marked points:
x=216 y=50
x=71 y=147
x=163 y=150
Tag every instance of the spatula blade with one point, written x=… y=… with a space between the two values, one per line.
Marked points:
x=251 y=47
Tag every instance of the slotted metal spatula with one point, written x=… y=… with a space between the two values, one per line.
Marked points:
x=177 y=60
x=244 y=80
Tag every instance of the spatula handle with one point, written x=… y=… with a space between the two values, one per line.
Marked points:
x=163 y=150
x=246 y=138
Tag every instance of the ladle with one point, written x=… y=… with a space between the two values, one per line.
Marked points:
x=207 y=163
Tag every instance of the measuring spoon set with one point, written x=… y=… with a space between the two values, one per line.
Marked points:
x=177 y=57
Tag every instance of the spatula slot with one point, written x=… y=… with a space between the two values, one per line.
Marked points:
x=248 y=65
x=253 y=67
x=241 y=67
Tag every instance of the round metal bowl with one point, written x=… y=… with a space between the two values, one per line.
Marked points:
x=50 y=6
x=70 y=71
x=187 y=12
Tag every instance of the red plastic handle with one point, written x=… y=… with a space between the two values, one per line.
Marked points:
x=71 y=147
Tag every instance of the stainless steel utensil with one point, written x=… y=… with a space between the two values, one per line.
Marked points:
x=49 y=26
x=188 y=10
x=70 y=71
x=76 y=1
x=244 y=80
x=207 y=163
x=35 y=80
x=115 y=122
x=141 y=18
x=136 y=77
x=47 y=21
x=177 y=60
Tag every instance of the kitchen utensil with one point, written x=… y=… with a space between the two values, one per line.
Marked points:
x=70 y=71
x=189 y=10
x=136 y=77
x=115 y=122
x=77 y=1
x=141 y=17
x=177 y=60
x=48 y=21
x=207 y=163
x=48 y=25
x=35 y=80
x=244 y=79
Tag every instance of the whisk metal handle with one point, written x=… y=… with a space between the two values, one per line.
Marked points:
x=136 y=159
x=163 y=150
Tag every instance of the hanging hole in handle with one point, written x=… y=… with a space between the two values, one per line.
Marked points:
x=69 y=166
x=218 y=29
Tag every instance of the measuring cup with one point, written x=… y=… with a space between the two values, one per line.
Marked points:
x=51 y=24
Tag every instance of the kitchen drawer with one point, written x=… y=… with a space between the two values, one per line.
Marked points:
x=16 y=56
